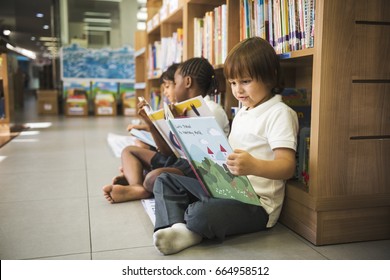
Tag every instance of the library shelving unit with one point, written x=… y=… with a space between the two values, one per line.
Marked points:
x=5 y=87
x=347 y=73
x=348 y=198
x=139 y=57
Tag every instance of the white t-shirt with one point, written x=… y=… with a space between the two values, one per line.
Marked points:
x=219 y=114
x=258 y=131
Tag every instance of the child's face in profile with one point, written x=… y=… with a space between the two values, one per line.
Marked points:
x=181 y=93
x=249 y=92
x=169 y=90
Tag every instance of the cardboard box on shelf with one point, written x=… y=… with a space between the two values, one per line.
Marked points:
x=129 y=104
x=105 y=105
x=47 y=102
x=75 y=107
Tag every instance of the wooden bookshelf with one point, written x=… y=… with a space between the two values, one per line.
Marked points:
x=6 y=87
x=348 y=197
x=139 y=57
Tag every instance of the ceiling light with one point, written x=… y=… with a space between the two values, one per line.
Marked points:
x=95 y=14
x=110 y=0
x=141 y=25
x=39 y=15
x=46 y=26
x=48 y=39
x=33 y=38
x=97 y=28
x=22 y=51
x=6 y=32
x=142 y=16
x=97 y=20
x=50 y=44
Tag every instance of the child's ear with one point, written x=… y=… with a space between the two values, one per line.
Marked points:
x=188 y=81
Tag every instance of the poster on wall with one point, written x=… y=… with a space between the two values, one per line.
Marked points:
x=107 y=63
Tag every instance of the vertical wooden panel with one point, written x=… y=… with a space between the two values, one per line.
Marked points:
x=370 y=109
x=369 y=51
x=368 y=167
x=372 y=10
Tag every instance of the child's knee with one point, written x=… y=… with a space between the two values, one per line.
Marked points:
x=150 y=179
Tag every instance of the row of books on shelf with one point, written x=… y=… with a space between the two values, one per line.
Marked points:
x=209 y=34
x=299 y=99
x=165 y=52
x=167 y=8
x=287 y=24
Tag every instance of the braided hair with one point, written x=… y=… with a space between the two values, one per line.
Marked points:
x=202 y=72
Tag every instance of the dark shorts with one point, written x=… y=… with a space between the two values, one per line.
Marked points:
x=182 y=164
x=159 y=160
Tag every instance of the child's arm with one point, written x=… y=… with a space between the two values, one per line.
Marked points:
x=281 y=168
x=141 y=126
x=162 y=146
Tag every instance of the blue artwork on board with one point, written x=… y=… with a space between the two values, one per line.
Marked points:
x=82 y=63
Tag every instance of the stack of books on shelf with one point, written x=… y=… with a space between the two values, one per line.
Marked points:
x=210 y=40
x=164 y=53
x=167 y=8
x=287 y=24
x=155 y=99
x=299 y=99
x=172 y=49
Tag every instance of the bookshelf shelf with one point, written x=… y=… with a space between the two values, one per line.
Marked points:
x=350 y=96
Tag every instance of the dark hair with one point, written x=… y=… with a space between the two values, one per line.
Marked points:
x=256 y=58
x=199 y=69
x=169 y=74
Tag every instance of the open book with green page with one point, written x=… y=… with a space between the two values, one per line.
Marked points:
x=194 y=107
x=206 y=148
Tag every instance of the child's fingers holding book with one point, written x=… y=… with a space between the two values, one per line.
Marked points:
x=239 y=162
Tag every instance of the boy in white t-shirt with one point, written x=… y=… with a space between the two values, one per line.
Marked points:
x=264 y=139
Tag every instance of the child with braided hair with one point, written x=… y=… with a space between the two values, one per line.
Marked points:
x=193 y=77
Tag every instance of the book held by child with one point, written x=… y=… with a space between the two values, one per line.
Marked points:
x=206 y=147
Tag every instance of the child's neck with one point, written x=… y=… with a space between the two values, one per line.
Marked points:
x=265 y=99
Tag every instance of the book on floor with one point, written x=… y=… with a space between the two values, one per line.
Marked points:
x=206 y=147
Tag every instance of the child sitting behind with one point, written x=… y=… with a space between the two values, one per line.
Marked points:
x=193 y=77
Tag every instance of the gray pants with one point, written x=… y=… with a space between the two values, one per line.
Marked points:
x=181 y=199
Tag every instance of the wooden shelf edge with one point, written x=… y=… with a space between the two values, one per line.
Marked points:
x=139 y=52
x=297 y=54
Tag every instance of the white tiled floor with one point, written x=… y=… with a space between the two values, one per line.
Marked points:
x=52 y=207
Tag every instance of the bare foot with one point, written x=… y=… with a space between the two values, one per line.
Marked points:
x=120 y=180
x=175 y=239
x=119 y=193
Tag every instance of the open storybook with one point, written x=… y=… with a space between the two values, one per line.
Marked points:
x=206 y=147
x=144 y=136
x=194 y=107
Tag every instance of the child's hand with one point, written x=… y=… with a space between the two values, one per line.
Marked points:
x=141 y=126
x=142 y=113
x=175 y=113
x=240 y=162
